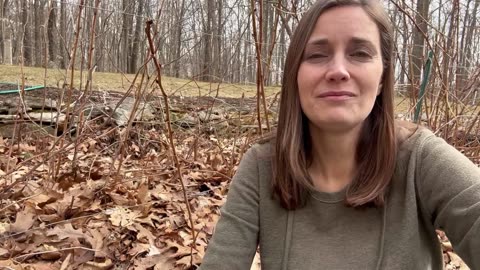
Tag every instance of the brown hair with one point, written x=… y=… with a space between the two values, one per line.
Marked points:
x=377 y=147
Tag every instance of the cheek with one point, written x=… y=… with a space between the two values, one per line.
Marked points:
x=373 y=83
x=302 y=82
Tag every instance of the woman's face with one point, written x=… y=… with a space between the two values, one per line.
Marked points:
x=340 y=74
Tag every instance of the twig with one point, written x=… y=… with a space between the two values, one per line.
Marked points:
x=258 y=36
x=169 y=130
x=70 y=88
x=52 y=251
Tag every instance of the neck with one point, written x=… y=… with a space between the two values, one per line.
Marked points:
x=333 y=158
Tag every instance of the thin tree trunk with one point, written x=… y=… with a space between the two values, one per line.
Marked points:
x=5 y=39
x=38 y=15
x=136 y=38
x=64 y=58
x=27 y=40
x=127 y=6
x=52 y=37
x=207 y=43
x=178 y=39
x=421 y=18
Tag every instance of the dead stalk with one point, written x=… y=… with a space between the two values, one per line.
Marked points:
x=170 y=132
x=88 y=85
x=126 y=133
x=258 y=38
x=70 y=88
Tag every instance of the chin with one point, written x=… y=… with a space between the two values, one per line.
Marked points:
x=336 y=125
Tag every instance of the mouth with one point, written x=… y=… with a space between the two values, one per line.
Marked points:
x=336 y=94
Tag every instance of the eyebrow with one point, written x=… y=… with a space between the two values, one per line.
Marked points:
x=354 y=40
x=318 y=42
x=362 y=41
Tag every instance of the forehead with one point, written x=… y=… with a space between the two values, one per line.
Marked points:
x=345 y=23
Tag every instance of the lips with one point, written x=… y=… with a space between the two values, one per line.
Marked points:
x=336 y=94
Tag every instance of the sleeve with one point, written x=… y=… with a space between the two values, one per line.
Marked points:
x=449 y=187
x=235 y=239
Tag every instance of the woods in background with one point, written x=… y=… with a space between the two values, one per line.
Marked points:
x=215 y=41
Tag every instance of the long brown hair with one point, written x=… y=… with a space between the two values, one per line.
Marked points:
x=377 y=147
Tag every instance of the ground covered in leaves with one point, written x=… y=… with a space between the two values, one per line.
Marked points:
x=110 y=198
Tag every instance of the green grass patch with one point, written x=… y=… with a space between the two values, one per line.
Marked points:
x=103 y=81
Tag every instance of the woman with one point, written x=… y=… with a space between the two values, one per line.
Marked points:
x=341 y=186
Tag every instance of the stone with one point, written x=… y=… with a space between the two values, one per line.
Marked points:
x=188 y=121
x=206 y=116
x=145 y=111
x=47 y=117
x=31 y=103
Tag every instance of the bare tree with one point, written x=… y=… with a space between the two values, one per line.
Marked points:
x=52 y=25
x=25 y=32
x=132 y=67
x=419 y=35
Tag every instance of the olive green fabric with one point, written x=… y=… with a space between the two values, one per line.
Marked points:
x=434 y=186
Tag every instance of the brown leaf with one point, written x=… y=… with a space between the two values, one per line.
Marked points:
x=24 y=220
x=66 y=263
x=144 y=233
x=4 y=252
x=97 y=243
x=121 y=217
x=52 y=253
x=10 y=264
x=143 y=195
x=107 y=264
x=66 y=231
x=120 y=199
x=160 y=261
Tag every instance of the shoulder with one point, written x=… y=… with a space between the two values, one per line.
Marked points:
x=264 y=148
x=427 y=148
x=410 y=135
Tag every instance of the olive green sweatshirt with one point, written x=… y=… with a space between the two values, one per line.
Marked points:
x=434 y=187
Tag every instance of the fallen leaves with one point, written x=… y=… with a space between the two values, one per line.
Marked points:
x=84 y=208
x=120 y=216
x=24 y=220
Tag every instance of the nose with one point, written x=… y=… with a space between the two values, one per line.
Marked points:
x=337 y=70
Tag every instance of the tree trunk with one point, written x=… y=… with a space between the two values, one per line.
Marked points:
x=52 y=37
x=217 y=44
x=421 y=19
x=466 y=57
x=178 y=39
x=126 y=48
x=26 y=37
x=207 y=43
x=62 y=45
x=5 y=39
x=38 y=15
x=136 y=39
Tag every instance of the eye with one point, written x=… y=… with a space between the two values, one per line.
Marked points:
x=361 y=54
x=317 y=55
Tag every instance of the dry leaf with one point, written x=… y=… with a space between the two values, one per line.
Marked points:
x=4 y=252
x=24 y=220
x=66 y=231
x=120 y=216
x=142 y=194
x=107 y=264
x=52 y=253
x=162 y=261
x=4 y=227
x=66 y=263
